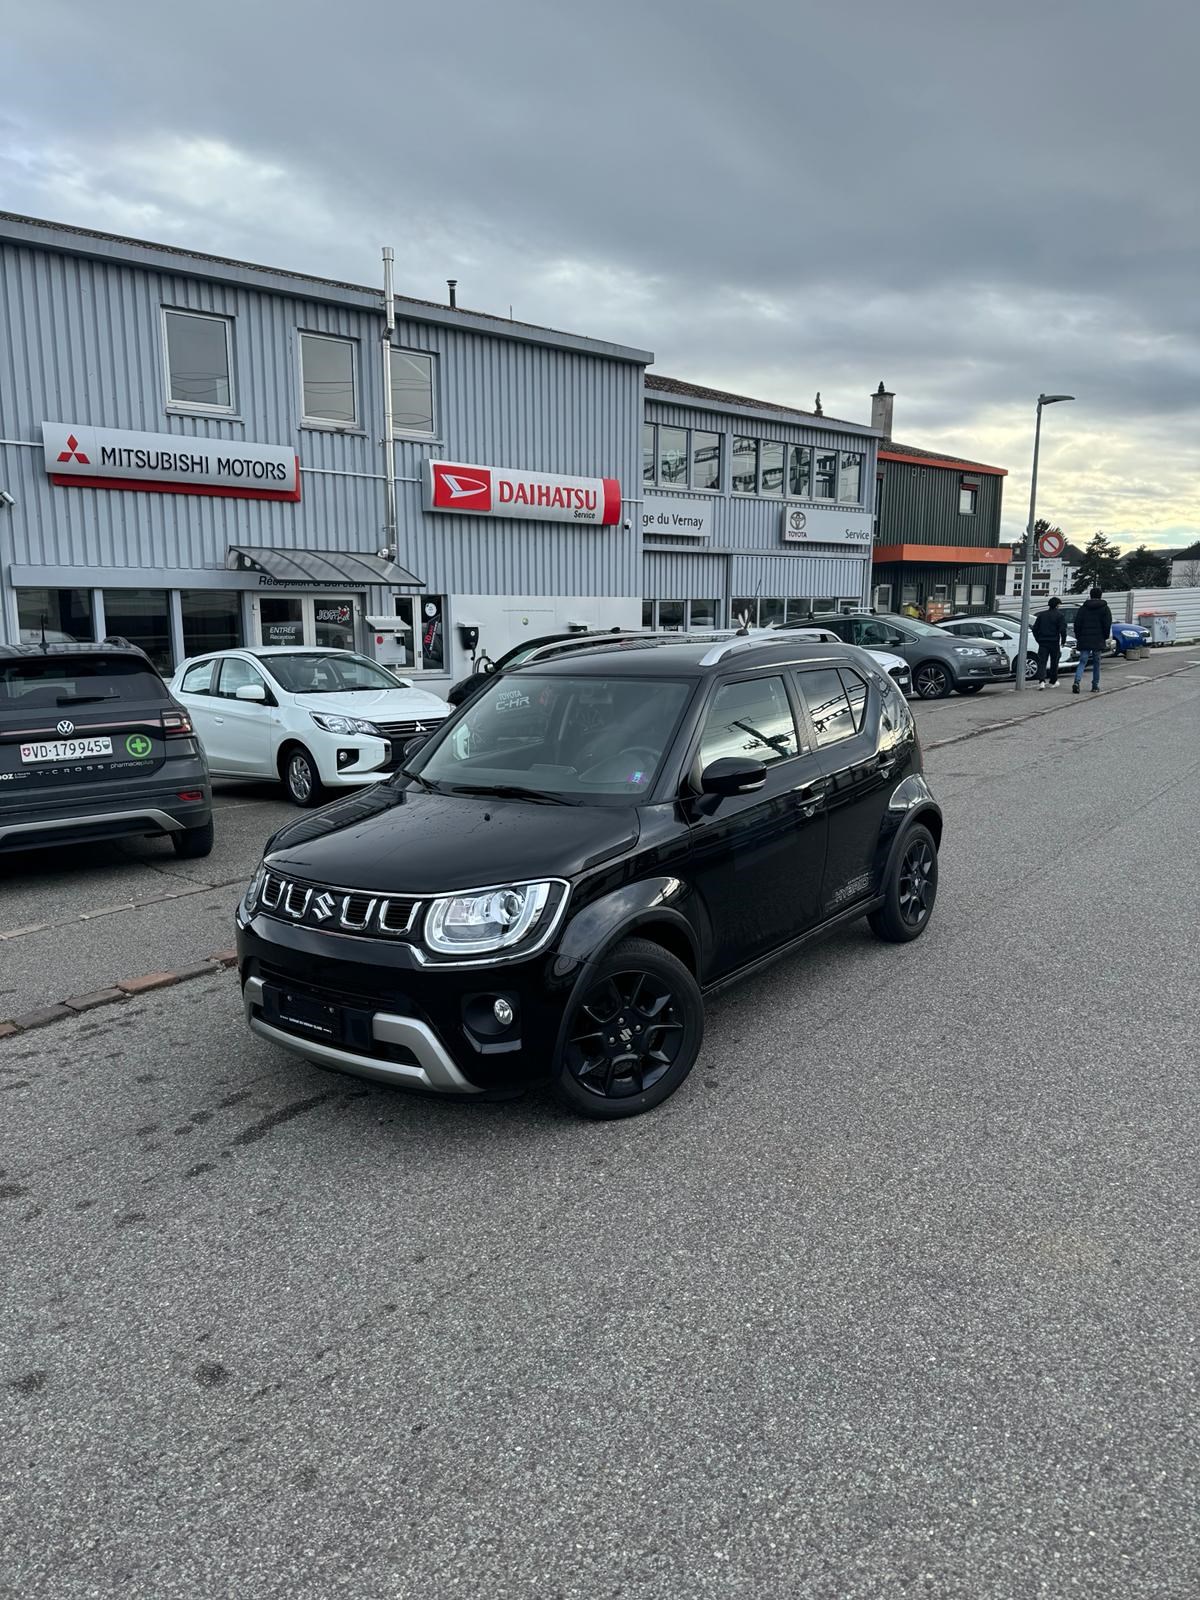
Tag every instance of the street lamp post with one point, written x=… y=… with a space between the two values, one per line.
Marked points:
x=1023 y=652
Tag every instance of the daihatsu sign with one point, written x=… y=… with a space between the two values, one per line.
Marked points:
x=80 y=457
x=514 y=492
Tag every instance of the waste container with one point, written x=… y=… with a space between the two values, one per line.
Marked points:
x=1161 y=625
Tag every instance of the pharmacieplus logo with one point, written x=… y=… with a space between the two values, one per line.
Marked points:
x=461 y=488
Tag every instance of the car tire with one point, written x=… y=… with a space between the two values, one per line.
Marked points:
x=932 y=681
x=192 y=843
x=969 y=688
x=914 y=872
x=300 y=777
x=655 y=1011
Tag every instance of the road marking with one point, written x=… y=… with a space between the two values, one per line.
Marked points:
x=127 y=905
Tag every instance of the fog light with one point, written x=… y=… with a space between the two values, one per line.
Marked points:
x=346 y=758
x=503 y=1013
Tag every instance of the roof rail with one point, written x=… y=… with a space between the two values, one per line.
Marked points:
x=729 y=647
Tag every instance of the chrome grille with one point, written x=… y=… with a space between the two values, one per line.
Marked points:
x=339 y=910
x=407 y=730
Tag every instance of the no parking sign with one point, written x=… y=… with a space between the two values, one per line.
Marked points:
x=1052 y=543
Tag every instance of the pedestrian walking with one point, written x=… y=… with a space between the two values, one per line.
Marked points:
x=1093 y=624
x=1050 y=631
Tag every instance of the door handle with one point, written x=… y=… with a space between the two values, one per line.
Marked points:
x=885 y=765
x=808 y=796
x=221 y=720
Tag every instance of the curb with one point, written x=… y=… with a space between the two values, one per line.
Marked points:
x=1046 y=711
x=127 y=989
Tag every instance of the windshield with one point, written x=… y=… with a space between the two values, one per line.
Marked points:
x=578 y=737
x=921 y=629
x=46 y=682
x=328 y=672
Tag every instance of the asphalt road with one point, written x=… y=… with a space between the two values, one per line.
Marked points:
x=899 y=1295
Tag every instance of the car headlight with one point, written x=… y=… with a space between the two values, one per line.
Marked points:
x=969 y=650
x=336 y=724
x=492 y=919
x=250 y=898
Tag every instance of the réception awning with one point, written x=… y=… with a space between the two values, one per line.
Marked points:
x=337 y=568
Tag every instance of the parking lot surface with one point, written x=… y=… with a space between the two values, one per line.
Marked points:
x=898 y=1295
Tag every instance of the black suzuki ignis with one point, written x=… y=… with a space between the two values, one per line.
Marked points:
x=556 y=877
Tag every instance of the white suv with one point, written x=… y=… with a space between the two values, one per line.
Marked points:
x=314 y=719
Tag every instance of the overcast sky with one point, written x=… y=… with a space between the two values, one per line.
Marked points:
x=972 y=203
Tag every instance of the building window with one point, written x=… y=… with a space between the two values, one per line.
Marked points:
x=327 y=379
x=412 y=392
x=826 y=475
x=770 y=611
x=979 y=594
x=745 y=465
x=212 y=620
x=199 y=352
x=670 y=616
x=770 y=461
x=799 y=609
x=702 y=614
x=968 y=499
x=648 y=614
x=824 y=607
x=64 y=614
x=800 y=472
x=850 y=479
x=424 y=649
x=706 y=460
x=142 y=617
x=673 y=458
x=962 y=594
x=648 y=454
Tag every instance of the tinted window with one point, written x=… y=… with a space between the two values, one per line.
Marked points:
x=48 y=681
x=872 y=635
x=751 y=720
x=587 y=736
x=825 y=695
x=745 y=465
x=672 y=456
x=335 y=672
x=800 y=471
x=771 y=466
x=856 y=693
x=235 y=675
x=199 y=679
x=706 y=460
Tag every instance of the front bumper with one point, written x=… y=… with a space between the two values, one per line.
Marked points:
x=989 y=671
x=412 y=1025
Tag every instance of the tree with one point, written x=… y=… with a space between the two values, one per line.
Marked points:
x=1100 y=567
x=1186 y=573
x=1145 y=570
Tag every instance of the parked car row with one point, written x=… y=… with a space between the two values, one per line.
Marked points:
x=540 y=886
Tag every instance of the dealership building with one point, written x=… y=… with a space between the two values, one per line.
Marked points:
x=197 y=452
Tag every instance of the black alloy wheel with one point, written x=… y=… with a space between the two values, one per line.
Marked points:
x=910 y=891
x=932 y=681
x=633 y=1035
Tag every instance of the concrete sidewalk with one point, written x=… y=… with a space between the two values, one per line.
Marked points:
x=964 y=716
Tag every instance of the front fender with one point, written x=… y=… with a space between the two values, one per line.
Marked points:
x=593 y=931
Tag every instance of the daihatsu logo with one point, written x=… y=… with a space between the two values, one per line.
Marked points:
x=461 y=487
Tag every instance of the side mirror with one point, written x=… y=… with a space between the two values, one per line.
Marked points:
x=896 y=638
x=251 y=691
x=486 y=668
x=733 y=775
x=411 y=746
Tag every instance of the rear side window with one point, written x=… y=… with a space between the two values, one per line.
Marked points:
x=828 y=704
x=752 y=721
x=856 y=693
x=199 y=679
x=46 y=682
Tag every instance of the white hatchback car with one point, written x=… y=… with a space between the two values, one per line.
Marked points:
x=314 y=719
x=1006 y=632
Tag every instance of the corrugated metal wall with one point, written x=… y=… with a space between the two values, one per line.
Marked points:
x=919 y=505
x=749 y=528
x=81 y=341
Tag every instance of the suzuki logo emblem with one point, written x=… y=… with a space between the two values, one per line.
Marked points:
x=66 y=727
x=458 y=486
x=323 y=906
x=73 y=452
x=626 y=1035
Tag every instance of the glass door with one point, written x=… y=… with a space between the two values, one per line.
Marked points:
x=332 y=622
x=324 y=621
x=280 y=618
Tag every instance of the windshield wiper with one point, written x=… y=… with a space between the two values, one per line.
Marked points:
x=516 y=791
x=83 y=699
x=431 y=788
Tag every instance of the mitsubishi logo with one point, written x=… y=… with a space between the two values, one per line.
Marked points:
x=418 y=727
x=74 y=453
x=458 y=486
x=323 y=906
x=66 y=726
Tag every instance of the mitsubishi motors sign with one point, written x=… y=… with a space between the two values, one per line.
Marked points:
x=515 y=492
x=80 y=457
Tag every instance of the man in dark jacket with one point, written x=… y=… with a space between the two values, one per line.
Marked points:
x=1050 y=631
x=1093 y=624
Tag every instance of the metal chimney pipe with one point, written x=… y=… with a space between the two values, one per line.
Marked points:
x=452 y=285
x=389 y=444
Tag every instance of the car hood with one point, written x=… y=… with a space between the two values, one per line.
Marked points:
x=400 y=840
x=887 y=660
x=387 y=705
